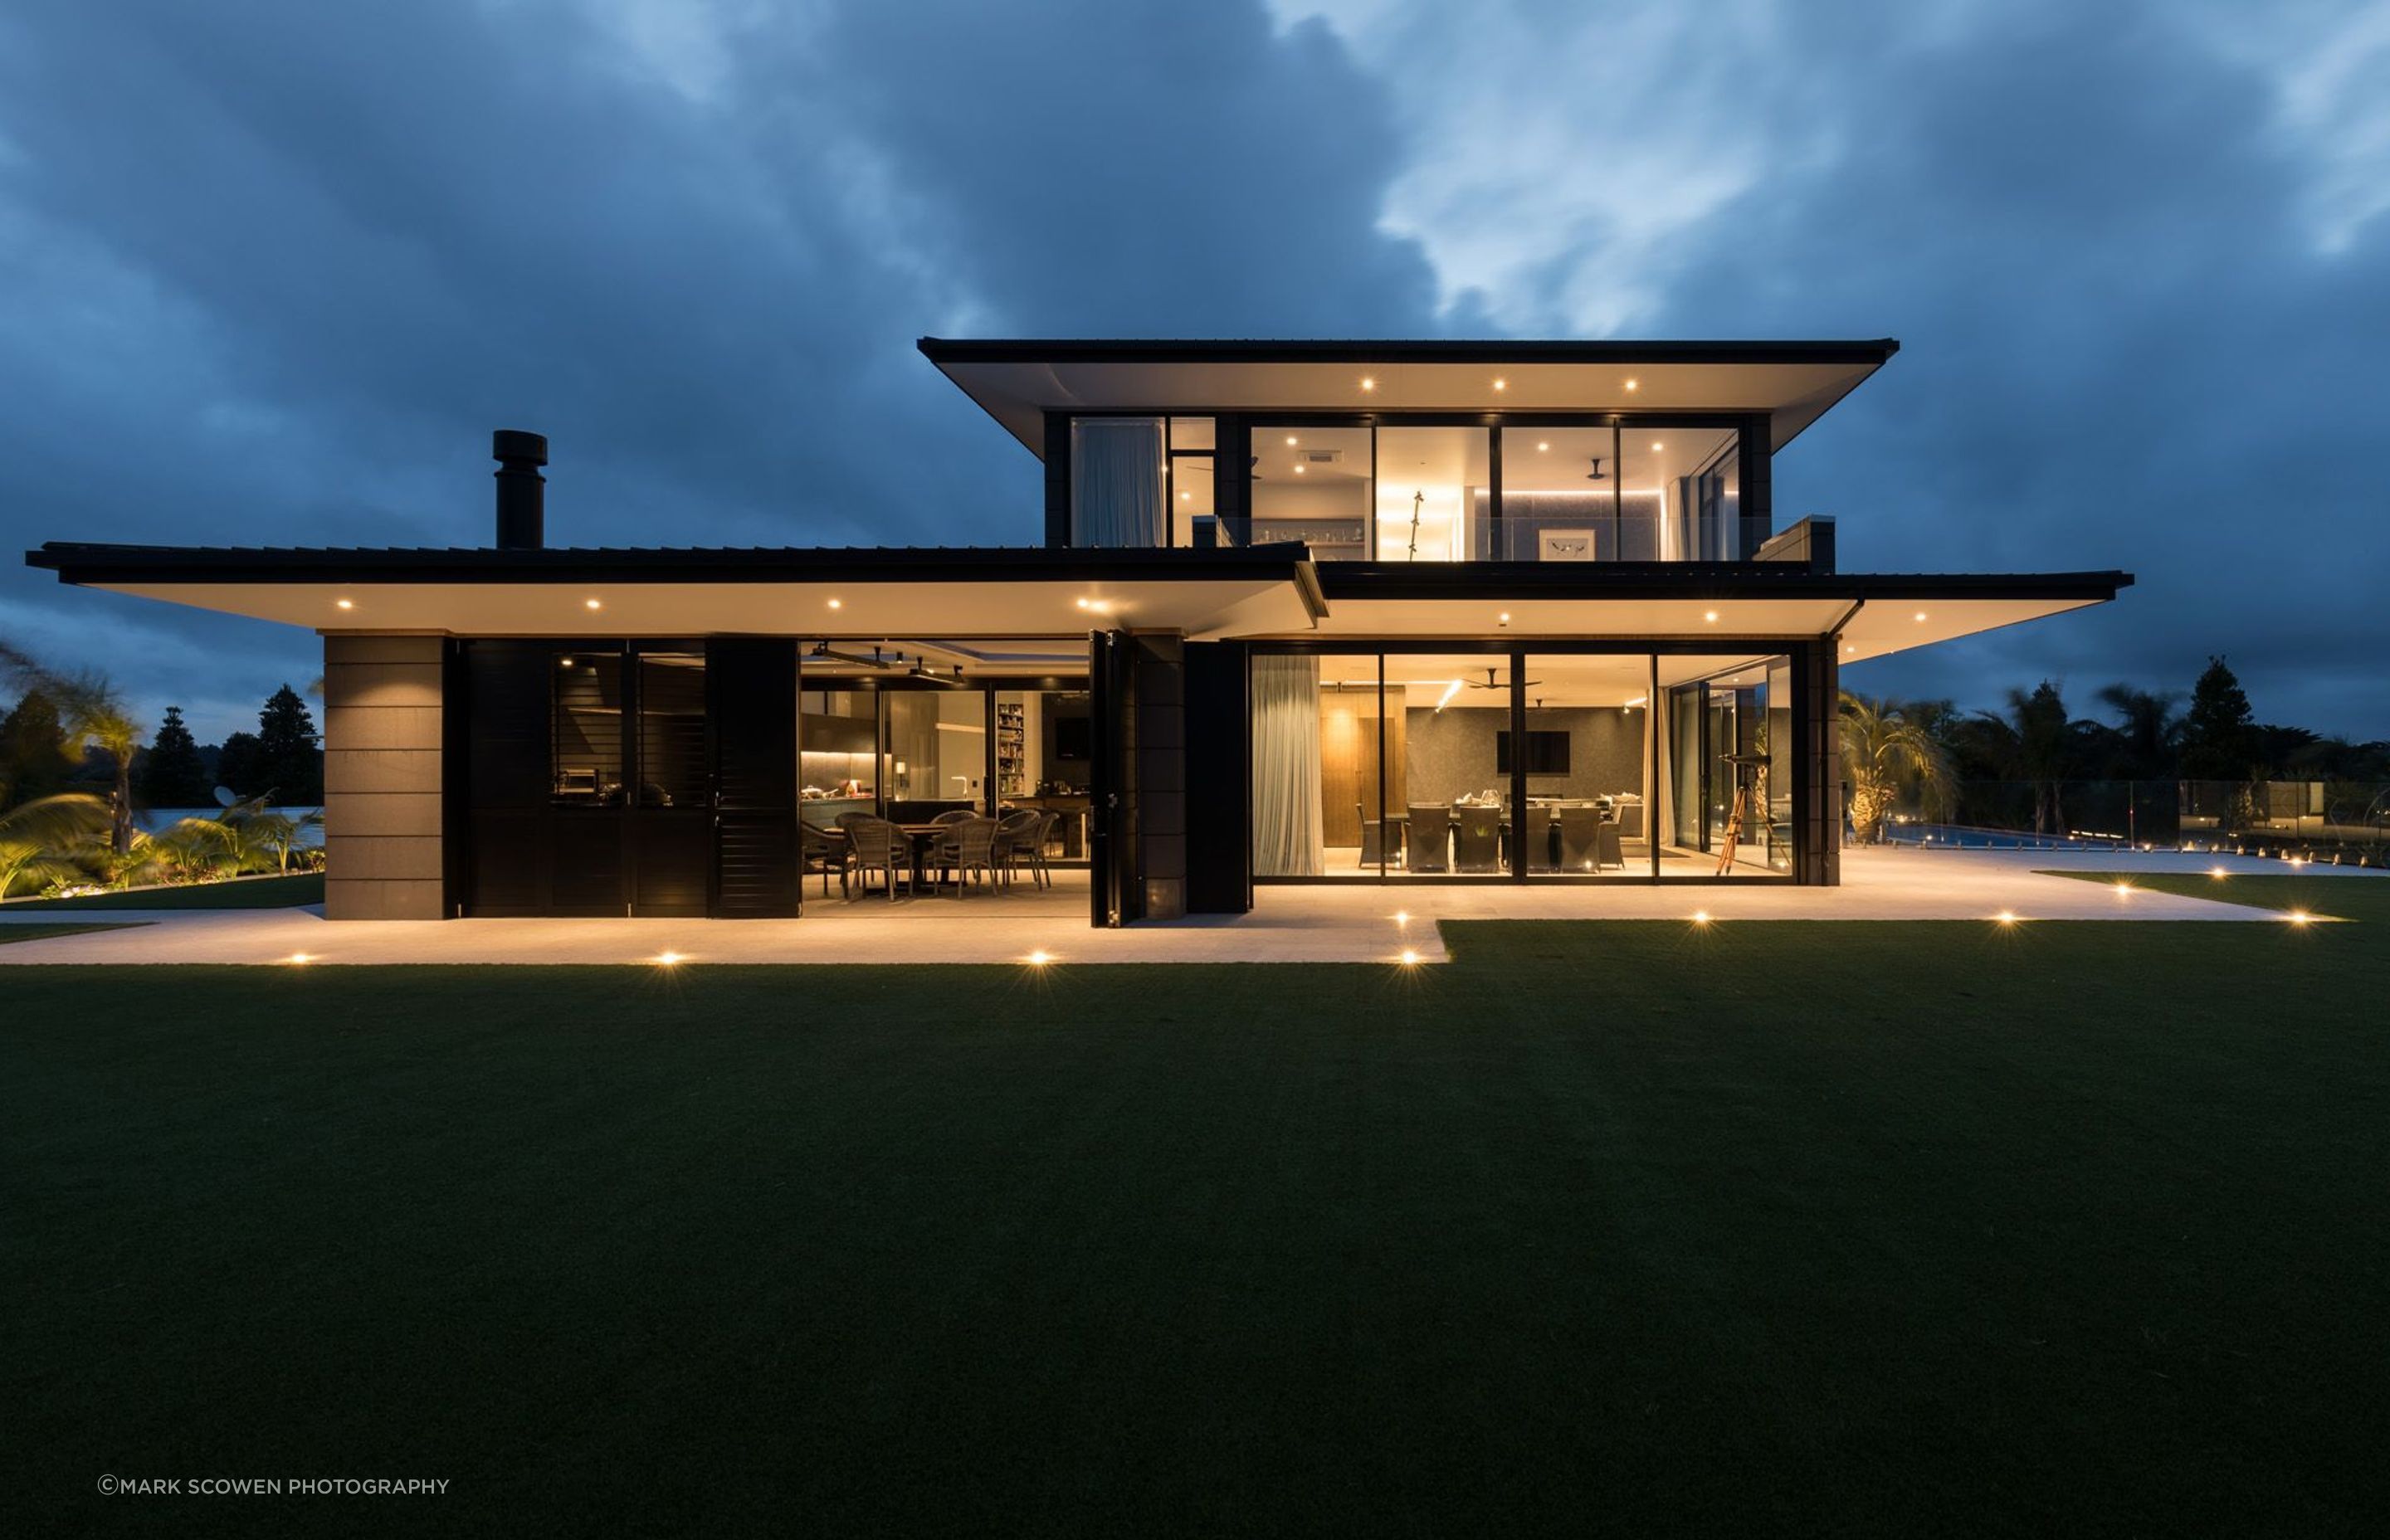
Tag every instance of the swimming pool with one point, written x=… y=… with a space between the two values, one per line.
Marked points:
x=1961 y=836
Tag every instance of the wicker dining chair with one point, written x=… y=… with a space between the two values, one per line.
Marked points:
x=944 y=852
x=975 y=851
x=1040 y=867
x=879 y=846
x=1013 y=833
x=824 y=850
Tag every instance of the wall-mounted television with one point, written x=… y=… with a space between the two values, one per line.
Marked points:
x=1547 y=753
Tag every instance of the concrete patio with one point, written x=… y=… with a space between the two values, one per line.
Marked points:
x=1310 y=924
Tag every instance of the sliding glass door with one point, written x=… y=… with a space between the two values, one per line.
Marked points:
x=1563 y=765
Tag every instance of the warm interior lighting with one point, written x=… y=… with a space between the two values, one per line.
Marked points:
x=1710 y=616
x=1449 y=691
x=345 y=604
x=1298 y=470
x=1402 y=917
x=1289 y=440
x=2005 y=917
x=1186 y=497
x=838 y=603
x=1082 y=603
x=1657 y=447
x=1368 y=383
x=1634 y=384
x=1502 y=619
x=1921 y=616
x=668 y=959
x=1501 y=384
x=1634 y=701
x=1410 y=957
x=592 y=603
x=1700 y=916
x=2124 y=890
x=300 y=957
x=2215 y=872
x=1849 y=648
x=1040 y=958
x=2298 y=917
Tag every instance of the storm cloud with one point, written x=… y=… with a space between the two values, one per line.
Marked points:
x=271 y=271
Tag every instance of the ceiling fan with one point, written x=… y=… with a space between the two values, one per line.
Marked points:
x=1490 y=683
x=1597 y=474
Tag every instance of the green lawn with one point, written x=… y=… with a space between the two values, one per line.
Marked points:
x=247 y=893
x=1814 y=1228
x=2336 y=897
x=42 y=931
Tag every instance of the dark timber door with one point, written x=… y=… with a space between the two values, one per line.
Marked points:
x=1111 y=829
x=757 y=860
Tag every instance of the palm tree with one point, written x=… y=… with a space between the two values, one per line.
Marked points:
x=2037 y=740
x=94 y=714
x=2151 y=724
x=1882 y=748
x=40 y=842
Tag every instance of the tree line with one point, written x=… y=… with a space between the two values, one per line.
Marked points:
x=1932 y=755
x=74 y=731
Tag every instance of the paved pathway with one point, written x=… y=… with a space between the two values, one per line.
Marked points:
x=1321 y=923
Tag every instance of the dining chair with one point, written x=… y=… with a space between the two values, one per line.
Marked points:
x=1478 y=843
x=1373 y=837
x=975 y=849
x=1431 y=837
x=1013 y=832
x=1607 y=851
x=824 y=850
x=1578 y=852
x=879 y=846
x=1040 y=865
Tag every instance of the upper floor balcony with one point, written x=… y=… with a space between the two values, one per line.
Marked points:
x=1426 y=452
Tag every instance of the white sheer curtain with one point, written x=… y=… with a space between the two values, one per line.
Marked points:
x=1286 y=768
x=1117 y=478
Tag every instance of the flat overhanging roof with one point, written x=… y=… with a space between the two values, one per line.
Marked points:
x=1007 y=593
x=1271 y=591
x=1017 y=381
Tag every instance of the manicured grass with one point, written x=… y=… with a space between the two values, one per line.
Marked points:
x=247 y=893
x=1813 y=1228
x=2339 y=896
x=45 y=932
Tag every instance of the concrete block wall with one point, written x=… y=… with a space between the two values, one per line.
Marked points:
x=382 y=823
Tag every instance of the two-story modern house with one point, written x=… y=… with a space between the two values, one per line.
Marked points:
x=1390 y=612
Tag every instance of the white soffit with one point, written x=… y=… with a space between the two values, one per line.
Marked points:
x=1018 y=394
x=981 y=609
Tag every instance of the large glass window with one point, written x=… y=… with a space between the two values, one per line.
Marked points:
x=1313 y=484
x=1456 y=715
x=1560 y=495
x=1434 y=487
x=672 y=729
x=1588 y=757
x=1119 y=480
x=1412 y=766
x=1729 y=738
x=585 y=730
x=1192 y=443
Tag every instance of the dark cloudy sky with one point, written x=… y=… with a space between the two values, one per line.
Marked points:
x=269 y=273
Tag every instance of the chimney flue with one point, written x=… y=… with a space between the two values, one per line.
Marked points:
x=522 y=491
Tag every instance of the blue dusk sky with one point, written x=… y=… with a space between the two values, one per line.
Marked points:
x=270 y=273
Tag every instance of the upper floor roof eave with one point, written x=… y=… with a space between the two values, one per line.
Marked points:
x=1018 y=381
